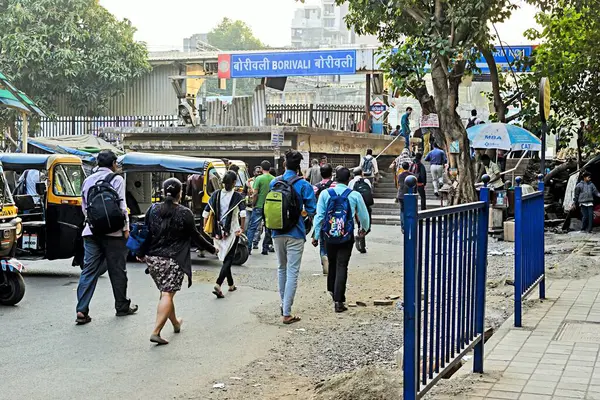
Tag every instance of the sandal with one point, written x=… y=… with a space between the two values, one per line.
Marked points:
x=83 y=319
x=158 y=340
x=217 y=292
x=281 y=309
x=232 y=288
x=292 y=320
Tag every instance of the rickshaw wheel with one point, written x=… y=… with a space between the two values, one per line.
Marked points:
x=13 y=291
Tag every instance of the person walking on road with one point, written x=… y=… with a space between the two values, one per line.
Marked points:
x=166 y=251
x=260 y=190
x=437 y=158
x=314 y=173
x=289 y=245
x=402 y=190
x=104 y=237
x=418 y=170
x=585 y=191
x=326 y=183
x=229 y=211
x=336 y=210
x=363 y=187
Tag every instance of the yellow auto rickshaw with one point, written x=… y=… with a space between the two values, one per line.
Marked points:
x=12 y=285
x=47 y=192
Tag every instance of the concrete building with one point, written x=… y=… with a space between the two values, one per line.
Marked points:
x=197 y=42
x=315 y=26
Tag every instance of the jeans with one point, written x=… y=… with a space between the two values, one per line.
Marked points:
x=437 y=173
x=421 y=192
x=322 y=247
x=226 y=268
x=401 y=202
x=587 y=220
x=289 y=257
x=339 y=257
x=258 y=216
x=102 y=253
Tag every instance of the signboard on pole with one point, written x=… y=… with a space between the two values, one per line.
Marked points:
x=287 y=63
x=430 y=121
x=277 y=136
x=378 y=108
x=545 y=99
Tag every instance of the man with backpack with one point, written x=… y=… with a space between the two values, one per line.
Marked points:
x=259 y=195
x=289 y=196
x=362 y=186
x=336 y=210
x=369 y=166
x=326 y=172
x=104 y=237
x=473 y=120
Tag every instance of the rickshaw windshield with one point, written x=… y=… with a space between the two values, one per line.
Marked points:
x=221 y=171
x=68 y=179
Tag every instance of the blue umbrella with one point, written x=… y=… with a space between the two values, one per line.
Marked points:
x=503 y=136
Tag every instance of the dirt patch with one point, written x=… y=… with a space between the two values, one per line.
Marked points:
x=370 y=383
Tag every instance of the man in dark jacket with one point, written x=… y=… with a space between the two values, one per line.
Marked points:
x=402 y=190
x=585 y=191
x=418 y=170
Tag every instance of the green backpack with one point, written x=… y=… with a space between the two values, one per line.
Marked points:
x=283 y=205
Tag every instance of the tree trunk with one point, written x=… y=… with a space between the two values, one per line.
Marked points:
x=445 y=85
x=499 y=104
x=428 y=107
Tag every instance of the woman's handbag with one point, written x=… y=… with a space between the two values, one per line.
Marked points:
x=137 y=237
x=209 y=227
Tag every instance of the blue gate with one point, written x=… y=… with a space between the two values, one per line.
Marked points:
x=445 y=269
x=529 y=245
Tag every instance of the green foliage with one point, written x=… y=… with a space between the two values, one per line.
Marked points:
x=234 y=35
x=568 y=55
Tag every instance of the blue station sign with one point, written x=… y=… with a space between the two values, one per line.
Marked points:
x=288 y=63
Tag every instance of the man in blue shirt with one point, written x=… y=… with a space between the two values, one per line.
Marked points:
x=339 y=254
x=405 y=121
x=438 y=159
x=289 y=246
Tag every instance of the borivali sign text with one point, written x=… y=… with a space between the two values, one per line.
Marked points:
x=294 y=63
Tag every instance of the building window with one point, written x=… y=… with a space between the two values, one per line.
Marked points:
x=329 y=23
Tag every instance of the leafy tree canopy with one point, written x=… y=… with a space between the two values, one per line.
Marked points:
x=234 y=35
x=71 y=48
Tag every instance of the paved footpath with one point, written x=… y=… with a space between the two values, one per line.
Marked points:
x=556 y=353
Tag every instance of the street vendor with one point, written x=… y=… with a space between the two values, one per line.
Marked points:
x=493 y=171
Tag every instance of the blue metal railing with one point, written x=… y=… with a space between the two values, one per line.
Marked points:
x=529 y=245
x=445 y=270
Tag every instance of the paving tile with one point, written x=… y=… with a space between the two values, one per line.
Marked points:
x=497 y=394
x=547 y=389
x=515 y=385
x=529 y=396
x=574 y=394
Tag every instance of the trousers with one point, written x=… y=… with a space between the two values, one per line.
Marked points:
x=226 y=267
x=437 y=173
x=289 y=258
x=421 y=192
x=103 y=253
x=587 y=220
x=339 y=257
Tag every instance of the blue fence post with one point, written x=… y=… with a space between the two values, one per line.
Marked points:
x=410 y=355
x=481 y=274
x=518 y=252
x=542 y=283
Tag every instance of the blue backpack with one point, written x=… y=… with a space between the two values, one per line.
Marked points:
x=338 y=225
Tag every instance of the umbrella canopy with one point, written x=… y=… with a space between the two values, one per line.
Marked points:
x=504 y=137
x=9 y=99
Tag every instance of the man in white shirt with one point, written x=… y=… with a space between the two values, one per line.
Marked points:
x=29 y=179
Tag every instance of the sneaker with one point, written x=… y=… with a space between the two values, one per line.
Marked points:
x=340 y=307
x=132 y=310
x=265 y=253
x=325 y=264
x=271 y=249
x=255 y=246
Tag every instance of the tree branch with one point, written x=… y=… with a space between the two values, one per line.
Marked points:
x=417 y=16
x=512 y=117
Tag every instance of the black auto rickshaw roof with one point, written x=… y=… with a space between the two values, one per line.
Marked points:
x=20 y=162
x=148 y=162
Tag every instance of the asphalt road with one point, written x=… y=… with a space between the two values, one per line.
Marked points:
x=44 y=355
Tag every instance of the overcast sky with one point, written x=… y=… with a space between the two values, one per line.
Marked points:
x=164 y=24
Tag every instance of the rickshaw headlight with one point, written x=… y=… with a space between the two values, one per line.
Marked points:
x=19 y=229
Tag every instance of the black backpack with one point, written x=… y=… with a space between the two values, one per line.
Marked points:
x=283 y=206
x=367 y=165
x=323 y=186
x=471 y=122
x=104 y=214
x=365 y=191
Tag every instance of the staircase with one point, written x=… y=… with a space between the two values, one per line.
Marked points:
x=386 y=211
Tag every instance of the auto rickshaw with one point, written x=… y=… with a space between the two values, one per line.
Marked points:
x=12 y=285
x=51 y=214
x=145 y=172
